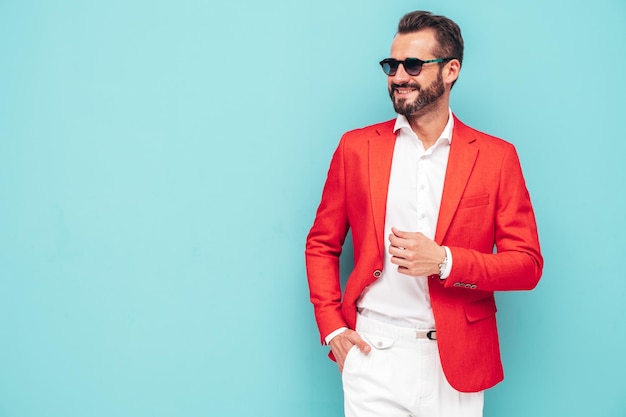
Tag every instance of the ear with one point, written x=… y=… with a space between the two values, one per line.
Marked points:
x=451 y=71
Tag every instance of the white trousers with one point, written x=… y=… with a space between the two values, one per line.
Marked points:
x=401 y=377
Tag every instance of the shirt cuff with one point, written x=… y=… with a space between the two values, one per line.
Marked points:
x=332 y=335
x=448 y=267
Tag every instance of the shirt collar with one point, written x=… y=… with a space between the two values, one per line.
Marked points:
x=446 y=135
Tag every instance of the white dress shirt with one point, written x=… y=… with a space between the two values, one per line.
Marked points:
x=413 y=201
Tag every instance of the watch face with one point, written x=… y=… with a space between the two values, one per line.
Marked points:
x=443 y=264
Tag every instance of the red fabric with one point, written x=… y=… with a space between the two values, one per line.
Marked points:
x=484 y=204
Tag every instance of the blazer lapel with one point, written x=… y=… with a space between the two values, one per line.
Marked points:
x=381 y=145
x=460 y=164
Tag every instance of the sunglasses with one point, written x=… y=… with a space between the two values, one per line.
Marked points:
x=412 y=66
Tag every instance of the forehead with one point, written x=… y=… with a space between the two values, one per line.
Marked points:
x=420 y=44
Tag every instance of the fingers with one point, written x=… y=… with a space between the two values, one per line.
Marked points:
x=401 y=244
x=414 y=253
x=405 y=240
x=406 y=235
x=342 y=343
x=359 y=342
x=396 y=239
x=350 y=338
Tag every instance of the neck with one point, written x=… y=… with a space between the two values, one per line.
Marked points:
x=429 y=125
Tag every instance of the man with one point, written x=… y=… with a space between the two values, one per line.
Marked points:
x=427 y=199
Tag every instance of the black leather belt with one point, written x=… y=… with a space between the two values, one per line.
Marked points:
x=426 y=334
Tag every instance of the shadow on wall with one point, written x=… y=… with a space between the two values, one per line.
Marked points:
x=346 y=261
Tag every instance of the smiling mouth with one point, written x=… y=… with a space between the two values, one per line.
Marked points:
x=403 y=91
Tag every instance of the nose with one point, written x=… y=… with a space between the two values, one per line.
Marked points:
x=400 y=75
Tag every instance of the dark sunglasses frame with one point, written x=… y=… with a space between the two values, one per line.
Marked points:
x=412 y=66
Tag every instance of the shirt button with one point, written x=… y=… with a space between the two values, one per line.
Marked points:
x=379 y=344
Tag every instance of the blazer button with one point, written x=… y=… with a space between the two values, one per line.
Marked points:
x=457 y=284
x=473 y=286
x=377 y=273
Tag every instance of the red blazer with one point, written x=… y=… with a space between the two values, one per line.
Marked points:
x=484 y=204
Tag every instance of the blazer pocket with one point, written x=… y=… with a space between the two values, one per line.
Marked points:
x=474 y=201
x=481 y=309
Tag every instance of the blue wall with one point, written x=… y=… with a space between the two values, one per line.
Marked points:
x=161 y=162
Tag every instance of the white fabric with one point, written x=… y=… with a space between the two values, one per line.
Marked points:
x=448 y=266
x=401 y=377
x=337 y=332
x=413 y=201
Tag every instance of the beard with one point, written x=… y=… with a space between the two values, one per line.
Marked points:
x=425 y=98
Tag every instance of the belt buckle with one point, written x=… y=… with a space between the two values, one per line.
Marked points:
x=431 y=335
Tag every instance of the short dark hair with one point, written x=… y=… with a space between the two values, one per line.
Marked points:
x=447 y=33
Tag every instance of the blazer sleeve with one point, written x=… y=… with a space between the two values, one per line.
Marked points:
x=324 y=245
x=517 y=262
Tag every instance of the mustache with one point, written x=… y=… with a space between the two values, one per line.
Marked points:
x=395 y=86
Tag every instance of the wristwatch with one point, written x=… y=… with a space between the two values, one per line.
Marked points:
x=443 y=265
